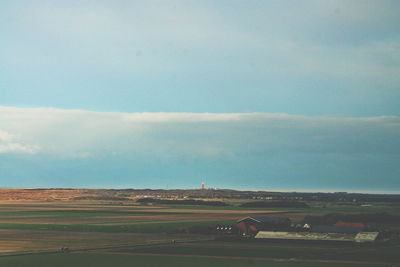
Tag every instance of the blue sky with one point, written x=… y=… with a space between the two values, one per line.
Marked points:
x=242 y=94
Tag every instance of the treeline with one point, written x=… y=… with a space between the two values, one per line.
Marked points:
x=275 y=204
x=181 y=202
x=332 y=218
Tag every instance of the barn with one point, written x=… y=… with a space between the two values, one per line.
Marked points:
x=361 y=237
x=335 y=229
x=352 y=224
x=251 y=225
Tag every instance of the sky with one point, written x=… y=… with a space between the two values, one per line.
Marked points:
x=262 y=95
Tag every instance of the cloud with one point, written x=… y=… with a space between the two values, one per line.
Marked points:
x=80 y=132
x=242 y=150
x=5 y=137
x=8 y=145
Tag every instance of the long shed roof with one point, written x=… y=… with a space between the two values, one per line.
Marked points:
x=305 y=236
x=335 y=229
x=360 y=237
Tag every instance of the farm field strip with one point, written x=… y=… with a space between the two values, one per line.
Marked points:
x=99 y=246
x=51 y=242
x=116 y=250
x=345 y=254
x=267 y=259
x=162 y=226
x=93 y=226
x=106 y=260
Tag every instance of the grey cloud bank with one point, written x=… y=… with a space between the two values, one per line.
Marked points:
x=239 y=150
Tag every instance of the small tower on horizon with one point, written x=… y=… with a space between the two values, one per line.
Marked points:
x=203 y=186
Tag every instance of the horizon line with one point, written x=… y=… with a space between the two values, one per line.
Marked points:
x=377 y=192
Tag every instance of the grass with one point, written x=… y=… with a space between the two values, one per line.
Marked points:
x=316 y=208
x=106 y=260
x=159 y=227
x=280 y=250
x=83 y=213
x=82 y=233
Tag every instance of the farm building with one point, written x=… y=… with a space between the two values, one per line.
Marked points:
x=336 y=229
x=366 y=237
x=352 y=224
x=346 y=237
x=251 y=225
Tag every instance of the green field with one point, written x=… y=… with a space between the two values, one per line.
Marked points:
x=280 y=250
x=146 y=233
x=149 y=227
x=107 y=260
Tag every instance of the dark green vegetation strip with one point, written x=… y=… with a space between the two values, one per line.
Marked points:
x=281 y=250
x=315 y=208
x=86 y=213
x=106 y=260
x=162 y=227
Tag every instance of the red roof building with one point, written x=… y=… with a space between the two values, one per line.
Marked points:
x=251 y=225
x=352 y=224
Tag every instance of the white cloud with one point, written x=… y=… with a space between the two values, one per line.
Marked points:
x=80 y=133
x=5 y=137
x=18 y=148
x=8 y=145
x=144 y=149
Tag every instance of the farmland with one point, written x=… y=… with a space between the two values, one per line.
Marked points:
x=104 y=227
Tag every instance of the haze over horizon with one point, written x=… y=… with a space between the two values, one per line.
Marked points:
x=289 y=95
